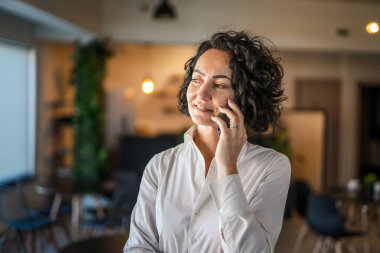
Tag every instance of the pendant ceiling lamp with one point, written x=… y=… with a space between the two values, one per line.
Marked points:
x=164 y=10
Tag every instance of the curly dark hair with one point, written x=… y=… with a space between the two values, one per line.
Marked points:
x=256 y=77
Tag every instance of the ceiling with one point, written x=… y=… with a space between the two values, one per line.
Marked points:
x=291 y=24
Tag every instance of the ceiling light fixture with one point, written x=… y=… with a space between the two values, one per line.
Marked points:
x=372 y=27
x=164 y=11
x=342 y=32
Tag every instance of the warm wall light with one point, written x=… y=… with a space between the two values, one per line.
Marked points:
x=129 y=93
x=372 y=27
x=147 y=86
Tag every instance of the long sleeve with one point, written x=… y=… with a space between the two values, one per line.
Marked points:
x=252 y=225
x=143 y=235
x=179 y=210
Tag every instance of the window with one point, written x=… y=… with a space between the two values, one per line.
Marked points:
x=17 y=111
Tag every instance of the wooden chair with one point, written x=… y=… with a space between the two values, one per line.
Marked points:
x=27 y=224
x=325 y=220
x=301 y=193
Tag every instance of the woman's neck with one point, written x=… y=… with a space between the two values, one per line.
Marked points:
x=206 y=138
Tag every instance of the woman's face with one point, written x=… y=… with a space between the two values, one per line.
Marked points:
x=210 y=86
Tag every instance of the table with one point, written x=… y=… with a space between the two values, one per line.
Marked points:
x=108 y=243
x=57 y=188
x=357 y=203
x=64 y=188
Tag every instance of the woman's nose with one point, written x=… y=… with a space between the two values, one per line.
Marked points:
x=204 y=91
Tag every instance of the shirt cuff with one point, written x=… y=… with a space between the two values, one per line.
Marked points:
x=229 y=195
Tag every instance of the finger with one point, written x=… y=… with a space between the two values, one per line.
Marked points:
x=230 y=114
x=236 y=110
x=221 y=124
x=234 y=107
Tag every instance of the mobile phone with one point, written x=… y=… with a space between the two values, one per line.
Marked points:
x=225 y=118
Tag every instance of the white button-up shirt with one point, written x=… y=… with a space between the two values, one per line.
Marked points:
x=179 y=210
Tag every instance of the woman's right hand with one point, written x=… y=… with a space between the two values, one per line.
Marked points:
x=231 y=140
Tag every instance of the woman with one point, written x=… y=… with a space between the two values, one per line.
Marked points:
x=216 y=192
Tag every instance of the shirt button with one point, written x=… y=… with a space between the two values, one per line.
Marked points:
x=197 y=213
x=221 y=211
x=194 y=240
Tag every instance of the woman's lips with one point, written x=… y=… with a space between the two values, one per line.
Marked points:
x=201 y=109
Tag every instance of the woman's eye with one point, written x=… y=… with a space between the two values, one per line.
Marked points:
x=195 y=80
x=219 y=86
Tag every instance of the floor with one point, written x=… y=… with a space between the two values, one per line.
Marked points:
x=285 y=243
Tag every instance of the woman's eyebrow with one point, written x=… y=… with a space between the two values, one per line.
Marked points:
x=215 y=76
x=221 y=76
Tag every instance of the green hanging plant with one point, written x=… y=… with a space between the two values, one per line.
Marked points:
x=90 y=155
x=279 y=141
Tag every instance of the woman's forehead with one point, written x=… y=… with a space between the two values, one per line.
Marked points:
x=214 y=61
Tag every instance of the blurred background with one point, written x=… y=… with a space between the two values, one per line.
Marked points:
x=330 y=49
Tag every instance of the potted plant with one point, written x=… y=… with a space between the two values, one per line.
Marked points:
x=89 y=154
x=369 y=180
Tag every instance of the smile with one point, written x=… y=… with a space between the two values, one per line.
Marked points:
x=201 y=109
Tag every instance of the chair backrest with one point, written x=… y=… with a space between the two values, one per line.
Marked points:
x=324 y=217
x=12 y=203
x=127 y=187
x=301 y=193
x=123 y=200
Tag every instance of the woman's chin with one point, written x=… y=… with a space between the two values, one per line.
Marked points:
x=204 y=122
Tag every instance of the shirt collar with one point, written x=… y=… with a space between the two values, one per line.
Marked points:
x=189 y=134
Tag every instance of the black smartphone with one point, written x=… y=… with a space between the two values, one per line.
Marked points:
x=225 y=118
